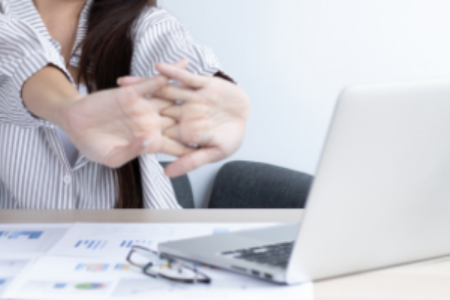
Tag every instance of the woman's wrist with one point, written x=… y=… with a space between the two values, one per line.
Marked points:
x=61 y=113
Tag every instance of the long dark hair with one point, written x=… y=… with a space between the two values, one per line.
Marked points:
x=106 y=55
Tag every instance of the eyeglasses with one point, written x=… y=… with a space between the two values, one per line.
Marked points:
x=155 y=265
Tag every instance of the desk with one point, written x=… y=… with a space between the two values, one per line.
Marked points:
x=423 y=281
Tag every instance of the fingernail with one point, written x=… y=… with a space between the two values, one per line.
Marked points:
x=175 y=82
x=146 y=143
x=118 y=80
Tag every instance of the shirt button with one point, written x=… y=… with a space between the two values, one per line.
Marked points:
x=67 y=179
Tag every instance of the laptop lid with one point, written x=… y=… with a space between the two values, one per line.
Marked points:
x=381 y=196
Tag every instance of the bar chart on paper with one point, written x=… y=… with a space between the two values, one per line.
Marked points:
x=30 y=238
x=98 y=245
x=14 y=235
x=91 y=244
x=128 y=244
x=92 y=267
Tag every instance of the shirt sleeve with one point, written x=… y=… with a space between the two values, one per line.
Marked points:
x=157 y=187
x=159 y=37
x=23 y=52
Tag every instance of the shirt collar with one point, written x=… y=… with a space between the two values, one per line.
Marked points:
x=26 y=10
x=28 y=13
x=81 y=33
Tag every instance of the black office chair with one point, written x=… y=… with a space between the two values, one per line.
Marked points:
x=244 y=184
x=183 y=190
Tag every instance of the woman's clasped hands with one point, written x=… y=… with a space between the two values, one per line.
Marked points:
x=209 y=116
x=200 y=120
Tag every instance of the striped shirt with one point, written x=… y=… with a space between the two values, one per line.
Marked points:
x=34 y=170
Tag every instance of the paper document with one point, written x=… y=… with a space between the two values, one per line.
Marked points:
x=20 y=244
x=101 y=278
x=30 y=238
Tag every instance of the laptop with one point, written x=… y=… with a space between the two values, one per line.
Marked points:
x=381 y=196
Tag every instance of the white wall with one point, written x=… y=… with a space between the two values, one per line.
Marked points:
x=294 y=57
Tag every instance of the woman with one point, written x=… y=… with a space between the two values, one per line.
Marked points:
x=71 y=139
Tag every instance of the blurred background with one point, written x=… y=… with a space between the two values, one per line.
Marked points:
x=294 y=57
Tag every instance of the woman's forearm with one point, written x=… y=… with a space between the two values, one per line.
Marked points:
x=47 y=93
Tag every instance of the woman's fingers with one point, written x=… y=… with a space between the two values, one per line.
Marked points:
x=149 y=86
x=122 y=154
x=174 y=148
x=194 y=134
x=167 y=123
x=160 y=104
x=189 y=79
x=173 y=133
x=174 y=112
x=155 y=85
x=131 y=80
x=187 y=113
x=176 y=93
x=192 y=161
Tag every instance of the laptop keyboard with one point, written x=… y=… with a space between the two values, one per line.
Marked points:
x=275 y=254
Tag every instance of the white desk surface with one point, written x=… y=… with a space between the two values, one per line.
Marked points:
x=421 y=281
